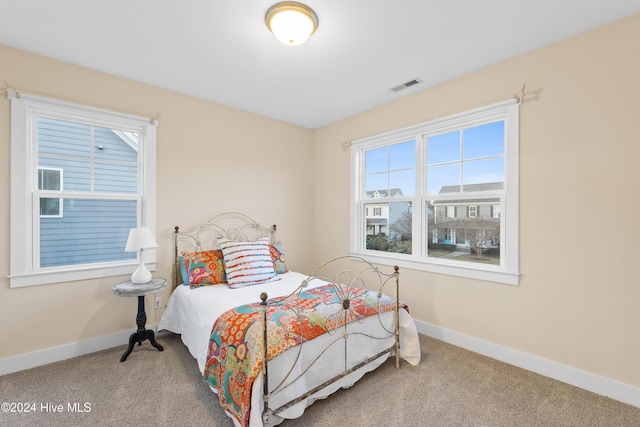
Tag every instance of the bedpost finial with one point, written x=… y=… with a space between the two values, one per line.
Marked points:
x=263 y=297
x=396 y=268
x=177 y=229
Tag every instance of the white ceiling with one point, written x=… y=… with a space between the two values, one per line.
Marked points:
x=221 y=50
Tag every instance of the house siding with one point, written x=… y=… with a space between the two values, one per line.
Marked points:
x=91 y=158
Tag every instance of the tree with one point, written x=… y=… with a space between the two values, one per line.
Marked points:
x=478 y=231
x=402 y=226
x=378 y=242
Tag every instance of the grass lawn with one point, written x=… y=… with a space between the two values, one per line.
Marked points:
x=468 y=257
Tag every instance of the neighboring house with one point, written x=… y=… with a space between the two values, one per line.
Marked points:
x=377 y=214
x=467 y=223
x=76 y=159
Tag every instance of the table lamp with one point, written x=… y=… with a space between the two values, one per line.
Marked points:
x=140 y=239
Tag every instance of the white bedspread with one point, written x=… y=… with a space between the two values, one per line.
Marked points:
x=192 y=313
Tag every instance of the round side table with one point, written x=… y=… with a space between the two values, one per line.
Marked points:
x=130 y=289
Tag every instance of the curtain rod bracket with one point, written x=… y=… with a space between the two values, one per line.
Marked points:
x=9 y=88
x=520 y=97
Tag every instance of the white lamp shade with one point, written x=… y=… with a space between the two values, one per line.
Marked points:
x=140 y=238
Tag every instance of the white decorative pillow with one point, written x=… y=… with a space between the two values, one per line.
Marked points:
x=247 y=263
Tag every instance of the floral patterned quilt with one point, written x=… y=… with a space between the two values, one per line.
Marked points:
x=235 y=355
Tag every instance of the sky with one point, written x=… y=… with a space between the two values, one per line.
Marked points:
x=473 y=155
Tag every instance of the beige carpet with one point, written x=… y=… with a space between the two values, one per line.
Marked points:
x=451 y=387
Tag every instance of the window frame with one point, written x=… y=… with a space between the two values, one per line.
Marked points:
x=44 y=191
x=508 y=271
x=24 y=234
x=451 y=211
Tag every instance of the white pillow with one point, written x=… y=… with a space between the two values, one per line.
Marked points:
x=247 y=263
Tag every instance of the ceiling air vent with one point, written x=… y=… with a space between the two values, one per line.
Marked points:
x=406 y=85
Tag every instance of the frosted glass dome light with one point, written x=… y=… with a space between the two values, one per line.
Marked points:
x=291 y=23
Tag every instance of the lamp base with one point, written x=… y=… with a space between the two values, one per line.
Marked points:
x=141 y=275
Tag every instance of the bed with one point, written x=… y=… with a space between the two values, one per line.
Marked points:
x=317 y=332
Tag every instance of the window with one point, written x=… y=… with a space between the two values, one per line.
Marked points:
x=451 y=211
x=51 y=180
x=444 y=190
x=81 y=178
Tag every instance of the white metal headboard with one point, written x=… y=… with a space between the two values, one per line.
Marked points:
x=232 y=225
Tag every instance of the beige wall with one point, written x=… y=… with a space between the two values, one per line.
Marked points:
x=578 y=302
x=210 y=159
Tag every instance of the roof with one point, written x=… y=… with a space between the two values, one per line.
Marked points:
x=392 y=192
x=468 y=188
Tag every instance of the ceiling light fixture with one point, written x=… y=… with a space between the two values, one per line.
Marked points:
x=292 y=23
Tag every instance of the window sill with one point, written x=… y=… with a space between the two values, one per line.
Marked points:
x=60 y=276
x=470 y=272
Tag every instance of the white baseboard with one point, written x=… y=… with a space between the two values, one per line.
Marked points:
x=45 y=356
x=597 y=384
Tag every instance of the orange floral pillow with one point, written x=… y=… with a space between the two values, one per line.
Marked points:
x=203 y=268
x=277 y=256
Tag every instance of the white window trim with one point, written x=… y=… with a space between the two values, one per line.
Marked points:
x=508 y=272
x=24 y=108
x=451 y=211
